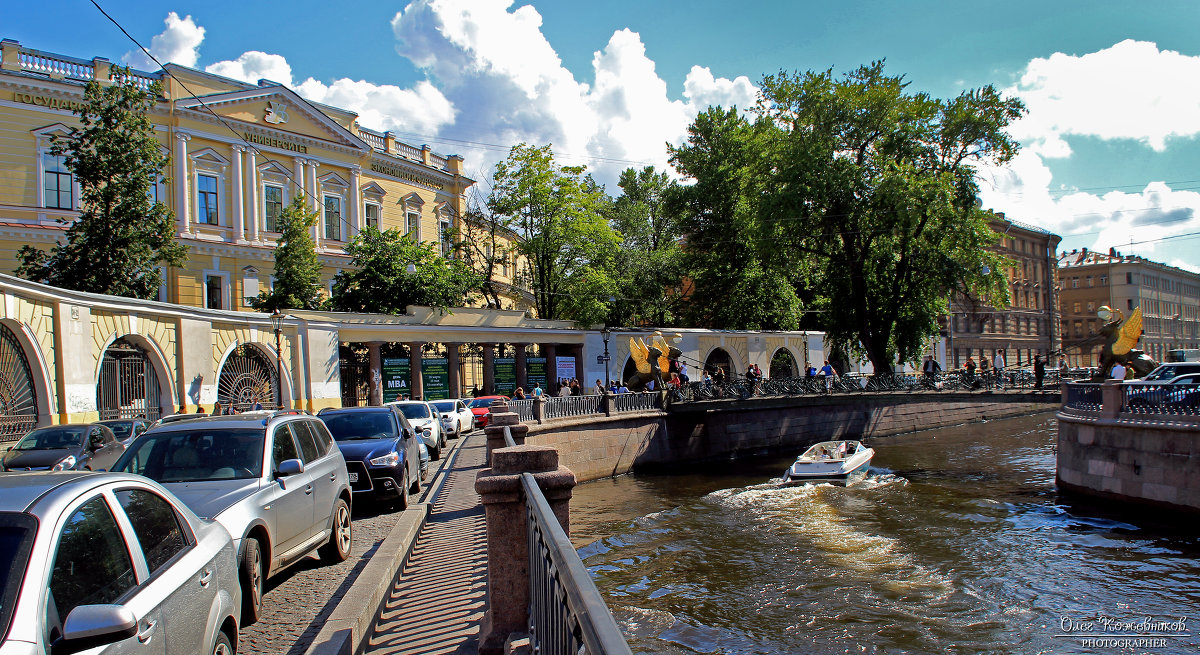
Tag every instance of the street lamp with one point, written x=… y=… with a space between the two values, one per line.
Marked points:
x=604 y=334
x=277 y=326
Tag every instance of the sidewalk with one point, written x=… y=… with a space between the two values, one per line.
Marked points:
x=438 y=600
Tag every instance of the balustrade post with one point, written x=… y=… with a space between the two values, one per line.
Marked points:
x=539 y=409
x=1111 y=399
x=1065 y=388
x=499 y=417
x=609 y=402
x=501 y=491
x=11 y=57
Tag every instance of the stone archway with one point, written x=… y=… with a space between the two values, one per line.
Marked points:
x=128 y=385
x=783 y=365
x=18 y=393
x=248 y=379
x=719 y=358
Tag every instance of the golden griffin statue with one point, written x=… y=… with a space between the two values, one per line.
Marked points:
x=1121 y=335
x=654 y=359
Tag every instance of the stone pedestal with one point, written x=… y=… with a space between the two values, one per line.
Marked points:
x=1111 y=398
x=375 y=386
x=501 y=492
x=498 y=418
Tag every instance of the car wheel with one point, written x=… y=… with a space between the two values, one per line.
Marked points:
x=252 y=581
x=416 y=484
x=223 y=646
x=435 y=453
x=402 y=501
x=337 y=549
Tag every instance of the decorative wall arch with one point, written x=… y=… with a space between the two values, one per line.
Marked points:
x=719 y=357
x=784 y=364
x=247 y=375
x=25 y=394
x=155 y=357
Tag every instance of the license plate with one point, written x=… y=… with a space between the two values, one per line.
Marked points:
x=354 y=477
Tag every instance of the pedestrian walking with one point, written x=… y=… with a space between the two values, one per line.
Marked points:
x=828 y=374
x=998 y=365
x=1039 y=371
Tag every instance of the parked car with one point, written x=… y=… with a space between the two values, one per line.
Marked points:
x=380 y=448
x=126 y=429
x=88 y=446
x=423 y=417
x=175 y=418
x=275 y=480
x=479 y=407
x=457 y=418
x=1179 y=391
x=1166 y=372
x=106 y=559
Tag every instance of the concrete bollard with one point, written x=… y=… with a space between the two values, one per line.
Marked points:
x=539 y=408
x=1111 y=398
x=498 y=418
x=503 y=498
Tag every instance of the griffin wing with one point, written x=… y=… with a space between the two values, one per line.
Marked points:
x=664 y=364
x=1129 y=333
x=640 y=354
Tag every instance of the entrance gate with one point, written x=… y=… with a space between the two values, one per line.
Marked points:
x=18 y=397
x=248 y=379
x=128 y=386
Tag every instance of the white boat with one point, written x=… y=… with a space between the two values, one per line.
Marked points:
x=830 y=461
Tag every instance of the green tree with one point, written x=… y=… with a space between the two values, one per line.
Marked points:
x=380 y=283
x=297 y=268
x=740 y=281
x=650 y=265
x=868 y=191
x=121 y=235
x=488 y=244
x=568 y=245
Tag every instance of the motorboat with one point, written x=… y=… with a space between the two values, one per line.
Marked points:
x=830 y=461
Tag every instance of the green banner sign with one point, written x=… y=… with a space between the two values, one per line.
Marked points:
x=504 y=370
x=396 y=375
x=435 y=378
x=535 y=373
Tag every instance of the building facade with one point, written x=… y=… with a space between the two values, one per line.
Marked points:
x=1030 y=325
x=239 y=153
x=1169 y=298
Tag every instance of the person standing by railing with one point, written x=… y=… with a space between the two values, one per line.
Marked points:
x=1039 y=371
x=999 y=365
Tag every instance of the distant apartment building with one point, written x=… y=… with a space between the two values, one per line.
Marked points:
x=1169 y=298
x=1029 y=326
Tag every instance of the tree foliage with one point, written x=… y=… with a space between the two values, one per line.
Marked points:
x=121 y=235
x=380 y=283
x=568 y=246
x=650 y=265
x=297 y=267
x=859 y=193
x=489 y=244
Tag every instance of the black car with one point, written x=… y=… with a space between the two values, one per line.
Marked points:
x=126 y=429
x=64 y=448
x=381 y=451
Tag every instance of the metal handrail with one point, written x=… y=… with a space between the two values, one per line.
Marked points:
x=508 y=438
x=567 y=614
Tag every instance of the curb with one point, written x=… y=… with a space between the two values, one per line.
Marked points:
x=348 y=626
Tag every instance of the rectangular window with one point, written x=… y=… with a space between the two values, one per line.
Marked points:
x=206 y=199
x=1090 y=282
x=1103 y=280
x=447 y=243
x=1129 y=278
x=213 y=289
x=333 y=218
x=412 y=225
x=371 y=212
x=1078 y=307
x=1074 y=283
x=58 y=182
x=1091 y=307
x=272 y=206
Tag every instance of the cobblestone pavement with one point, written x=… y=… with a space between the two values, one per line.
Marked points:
x=438 y=601
x=299 y=599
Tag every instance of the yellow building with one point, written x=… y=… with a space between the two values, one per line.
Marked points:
x=238 y=154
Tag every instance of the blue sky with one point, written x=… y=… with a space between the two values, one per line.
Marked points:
x=1111 y=140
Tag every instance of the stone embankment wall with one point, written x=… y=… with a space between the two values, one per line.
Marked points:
x=600 y=446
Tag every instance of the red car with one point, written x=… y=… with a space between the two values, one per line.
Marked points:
x=479 y=407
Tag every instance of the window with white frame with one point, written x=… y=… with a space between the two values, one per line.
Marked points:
x=250 y=286
x=412 y=225
x=445 y=232
x=207 y=203
x=272 y=206
x=371 y=212
x=58 y=184
x=333 y=218
x=215 y=290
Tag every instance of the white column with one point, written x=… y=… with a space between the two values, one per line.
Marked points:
x=355 y=202
x=298 y=175
x=314 y=196
x=252 y=201
x=239 y=195
x=182 y=194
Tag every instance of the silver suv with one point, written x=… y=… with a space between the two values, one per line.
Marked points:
x=274 y=480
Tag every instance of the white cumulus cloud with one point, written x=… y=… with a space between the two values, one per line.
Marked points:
x=253 y=66
x=179 y=43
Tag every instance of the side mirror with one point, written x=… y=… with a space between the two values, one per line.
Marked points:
x=289 y=467
x=97 y=442
x=89 y=626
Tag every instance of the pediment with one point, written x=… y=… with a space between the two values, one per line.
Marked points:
x=444 y=209
x=45 y=135
x=274 y=111
x=413 y=200
x=273 y=167
x=208 y=156
x=333 y=179
x=373 y=189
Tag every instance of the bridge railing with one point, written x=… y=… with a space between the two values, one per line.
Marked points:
x=564 y=406
x=1083 y=396
x=523 y=408
x=860 y=383
x=1172 y=399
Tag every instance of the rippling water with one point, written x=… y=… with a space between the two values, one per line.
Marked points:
x=955 y=542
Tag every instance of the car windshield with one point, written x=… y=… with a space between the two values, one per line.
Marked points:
x=197 y=454
x=346 y=426
x=482 y=402
x=55 y=438
x=415 y=410
x=16 y=539
x=444 y=405
x=119 y=428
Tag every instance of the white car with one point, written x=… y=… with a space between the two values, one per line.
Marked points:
x=425 y=420
x=457 y=418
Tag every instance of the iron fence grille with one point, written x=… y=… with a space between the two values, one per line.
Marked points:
x=1177 y=399
x=248 y=379
x=18 y=397
x=523 y=408
x=356 y=382
x=1084 y=396
x=128 y=384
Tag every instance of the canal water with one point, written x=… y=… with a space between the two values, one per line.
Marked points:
x=956 y=542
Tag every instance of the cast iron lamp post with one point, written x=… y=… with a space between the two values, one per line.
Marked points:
x=604 y=334
x=277 y=326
